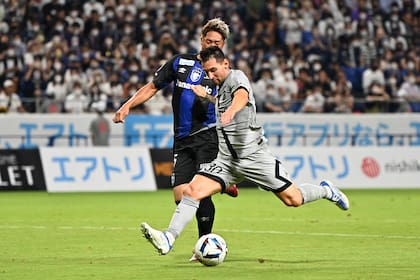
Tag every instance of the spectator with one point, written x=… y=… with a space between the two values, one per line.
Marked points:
x=167 y=46
x=74 y=18
x=261 y=86
x=50 y=10
x=410 y=93
x=32 y=30
x=377 y=99
x=100 y=129
x=74 y=35
x=92 y=30
x=364 y=25
x=107 y=48
x=355 y=52
x=76 y=102
x=290 y=86
x=341 y=100
x=326 y=24
x=147 y=50
x=314 y=101
x=373 y=74
x=276 y=100
x=126 y=6
x=74 y=74
x=159 y=104
x=133 y=69
x=11 y=61
x=114 y=90
x=32 y=85
x=9 y=100
x=96 y=92
x=308 y=15
x=394 y=26
x=129 y=89
x=305 y=85
x=396 y=102
x=93 y=7
x=55 y=93
x=293 y=27
x=324 y=81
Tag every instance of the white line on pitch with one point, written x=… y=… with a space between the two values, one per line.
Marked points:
x=352 y=235
x=274 y=232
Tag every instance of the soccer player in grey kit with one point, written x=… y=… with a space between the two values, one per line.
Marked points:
x=243 y=154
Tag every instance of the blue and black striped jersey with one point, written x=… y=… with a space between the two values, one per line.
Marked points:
x=191 y=113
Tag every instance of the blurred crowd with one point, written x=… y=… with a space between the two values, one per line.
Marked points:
x=302 y=56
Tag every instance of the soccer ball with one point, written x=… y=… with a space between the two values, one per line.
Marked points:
x=211 y=249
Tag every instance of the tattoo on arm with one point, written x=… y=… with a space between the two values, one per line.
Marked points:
x=211 y=98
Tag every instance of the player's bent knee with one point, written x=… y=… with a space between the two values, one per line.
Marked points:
x=195 y=191
x=188 y=190
x=201 y=187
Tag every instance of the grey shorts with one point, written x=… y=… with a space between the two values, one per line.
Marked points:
x=261 y=167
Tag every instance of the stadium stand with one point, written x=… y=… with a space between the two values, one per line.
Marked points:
x=302 y=56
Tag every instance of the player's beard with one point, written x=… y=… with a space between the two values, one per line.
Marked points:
x=216 y=81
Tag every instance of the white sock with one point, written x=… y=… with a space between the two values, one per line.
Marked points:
x=312 y=192
x=184 y=213
x=170 y=237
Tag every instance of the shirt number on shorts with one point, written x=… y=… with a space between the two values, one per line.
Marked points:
x=212 y=168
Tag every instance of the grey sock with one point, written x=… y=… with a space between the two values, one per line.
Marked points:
x=312 y=192
x=184 y=213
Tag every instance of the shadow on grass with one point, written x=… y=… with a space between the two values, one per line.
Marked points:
x=279 y=261
x=258 y=260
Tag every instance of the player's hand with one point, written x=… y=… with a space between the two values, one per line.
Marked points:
x=227 y=117
x=120 y=115
x=199 y=90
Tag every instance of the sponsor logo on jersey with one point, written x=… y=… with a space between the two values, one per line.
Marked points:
x=182 y=70
x=186 y=85
x=196 y=74
x=187 y=62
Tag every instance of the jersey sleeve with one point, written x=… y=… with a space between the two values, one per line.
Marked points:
x=165 y=74
x=241 y=81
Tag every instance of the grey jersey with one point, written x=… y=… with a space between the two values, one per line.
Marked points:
x=242 y=136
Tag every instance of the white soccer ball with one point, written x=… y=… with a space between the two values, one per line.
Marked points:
x=211 y=249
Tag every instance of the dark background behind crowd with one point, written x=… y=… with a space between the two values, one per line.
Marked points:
x=302 y=56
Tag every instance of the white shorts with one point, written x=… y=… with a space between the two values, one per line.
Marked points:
x=261 y=167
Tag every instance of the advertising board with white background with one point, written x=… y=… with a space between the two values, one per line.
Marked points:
x=353 y=151
x=101 y=169
x=130 y=169
x=355 y=167
x=290 y=130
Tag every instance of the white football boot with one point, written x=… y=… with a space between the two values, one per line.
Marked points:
x=335 y=195
x=158 y=239
x=193 y=258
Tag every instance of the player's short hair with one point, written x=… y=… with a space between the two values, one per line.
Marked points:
x=212 y=52
x=217 y=25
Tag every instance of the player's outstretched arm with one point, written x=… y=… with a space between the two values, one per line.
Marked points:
x=142 y=95
x=239 y=101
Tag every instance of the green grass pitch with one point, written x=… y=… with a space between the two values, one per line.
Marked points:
x=96 y=236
